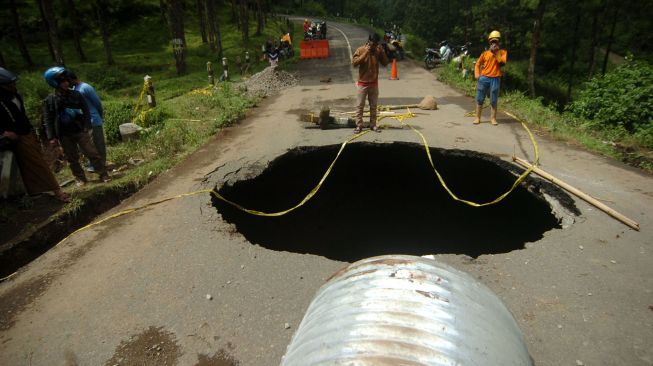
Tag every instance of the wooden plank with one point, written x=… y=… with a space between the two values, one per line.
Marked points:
x=586 y=197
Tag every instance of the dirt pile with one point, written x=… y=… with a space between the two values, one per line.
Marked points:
x=269 y=81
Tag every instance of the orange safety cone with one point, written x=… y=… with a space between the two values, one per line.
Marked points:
x=393 y=71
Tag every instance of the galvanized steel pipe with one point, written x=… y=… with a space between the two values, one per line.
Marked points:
x=406 y=310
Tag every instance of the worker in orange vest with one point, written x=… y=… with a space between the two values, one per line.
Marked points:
x=488 y=73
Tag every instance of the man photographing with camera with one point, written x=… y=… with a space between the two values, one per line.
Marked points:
x=367 y=58
x=488 y=73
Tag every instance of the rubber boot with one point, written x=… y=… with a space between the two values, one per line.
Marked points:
x=479 y=110
x=493 y=118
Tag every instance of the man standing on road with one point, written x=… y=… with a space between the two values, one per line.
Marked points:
x=68 y=121
x=367 y=58
x=488 y=73
x=97 y=113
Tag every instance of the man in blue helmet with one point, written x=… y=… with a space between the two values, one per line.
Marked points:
x=67 y=121
x=16 y=129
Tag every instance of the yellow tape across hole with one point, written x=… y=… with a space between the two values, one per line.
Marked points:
x=399 y=117
x=519 y=179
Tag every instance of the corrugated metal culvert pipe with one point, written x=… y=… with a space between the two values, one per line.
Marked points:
x=406 y=310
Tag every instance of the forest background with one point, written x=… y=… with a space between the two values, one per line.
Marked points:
x=580 y=70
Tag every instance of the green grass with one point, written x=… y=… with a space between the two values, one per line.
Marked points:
x=614 y=142
x=183 y=119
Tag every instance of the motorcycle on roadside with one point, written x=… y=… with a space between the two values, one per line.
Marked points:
x=461 y=52
x=395 y=49
x=432 y=58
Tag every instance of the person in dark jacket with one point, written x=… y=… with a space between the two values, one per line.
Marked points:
x=67 y=121
x=16 y=128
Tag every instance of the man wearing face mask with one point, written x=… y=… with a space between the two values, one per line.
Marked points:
x=488 y=73
x=367 y=58
x=68 y=122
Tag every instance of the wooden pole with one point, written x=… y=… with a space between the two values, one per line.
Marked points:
x=225 y=69
x=633 y=224
x=209 y=70
x=386 y=108
x=151 y=99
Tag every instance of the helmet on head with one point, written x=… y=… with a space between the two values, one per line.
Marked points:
x=494 y=34
x=444 y=43
x=52 y=75
x=374 y=38
x=7 y=77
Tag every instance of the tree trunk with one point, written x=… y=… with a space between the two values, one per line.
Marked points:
x=595 y=30
x=163 y=8
x=101 y=9
x=19 y=35
x=234 y=14
x=72 y=11
x=211 y=23
x=608 y=48
x=51 y=25
x=535 y=43
x=244 y=22
x=468 y=14
x=574 y=45
x=45 y=29
x=202 y=18
x=176 y=22
x=218 y=36
x=259 y=18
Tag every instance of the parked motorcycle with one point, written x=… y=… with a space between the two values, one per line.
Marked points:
x=394 y=49
x=286 y=50
x=461 y=51
x=445 y=52
x=432 y=58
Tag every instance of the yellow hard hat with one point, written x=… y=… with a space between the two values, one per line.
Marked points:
x=494 y=34
x=305 y=20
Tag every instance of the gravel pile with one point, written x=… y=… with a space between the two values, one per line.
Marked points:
x=269 y=81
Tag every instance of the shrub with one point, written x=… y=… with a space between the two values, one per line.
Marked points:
x=152 y=117
x=115 y=114
x=33 y=89
x=104 y=77
x=173 y=138
x=314 y=8
x=620 y=98
x=414 y=46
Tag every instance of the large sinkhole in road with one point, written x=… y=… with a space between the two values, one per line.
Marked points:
x=385 y=199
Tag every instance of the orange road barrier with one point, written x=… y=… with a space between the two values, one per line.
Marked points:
x=314 y=49
x=393 y=72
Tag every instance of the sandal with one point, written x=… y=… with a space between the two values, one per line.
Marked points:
x=358 y=130
x=62 y=196
x=375 y=129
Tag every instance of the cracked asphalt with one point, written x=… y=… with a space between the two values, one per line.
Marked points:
x=580 y=294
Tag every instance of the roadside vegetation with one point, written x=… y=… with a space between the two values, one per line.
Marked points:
x=188 y=112
x=580 y=70
x=611 y=116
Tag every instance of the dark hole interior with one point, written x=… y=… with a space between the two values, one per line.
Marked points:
x=385 y=199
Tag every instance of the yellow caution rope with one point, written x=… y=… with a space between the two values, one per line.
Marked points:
x=399 y=117
x=402 y=117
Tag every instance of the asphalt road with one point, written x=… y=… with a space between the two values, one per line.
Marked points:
x=581 y=294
